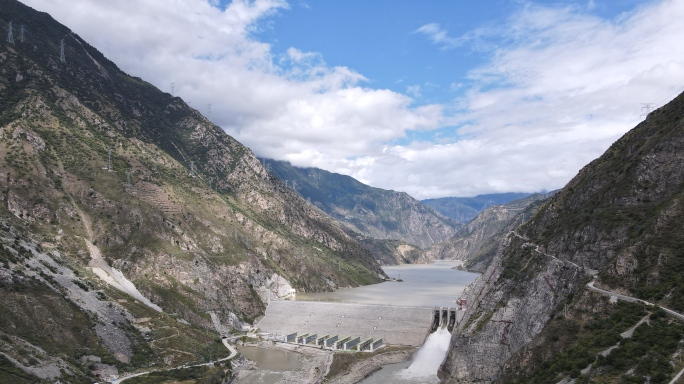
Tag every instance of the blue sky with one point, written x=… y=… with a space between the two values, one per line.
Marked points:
x=434 y=98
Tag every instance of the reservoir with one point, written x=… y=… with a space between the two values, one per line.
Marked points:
x=424 y=285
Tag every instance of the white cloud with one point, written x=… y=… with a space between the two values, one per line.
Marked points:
x=439 y=36
x=414 y=90
x=559 y=87
x=292 y=106
x=564 y=86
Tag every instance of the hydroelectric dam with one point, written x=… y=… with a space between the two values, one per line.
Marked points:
x=313 y=322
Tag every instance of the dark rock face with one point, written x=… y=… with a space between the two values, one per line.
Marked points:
x=619 y=218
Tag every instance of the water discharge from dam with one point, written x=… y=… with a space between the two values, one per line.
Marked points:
x=426 y=286
x=421 y=369
x=437 y=284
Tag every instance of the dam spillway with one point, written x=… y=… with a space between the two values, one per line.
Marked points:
x=399 y=325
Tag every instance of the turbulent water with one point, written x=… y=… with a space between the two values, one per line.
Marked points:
x=422 y=369
x=425 y=285
x=436 y=284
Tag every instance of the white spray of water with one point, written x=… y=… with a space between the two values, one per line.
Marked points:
x=430 y=356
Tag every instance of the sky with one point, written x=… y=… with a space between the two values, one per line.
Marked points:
x=435 y=98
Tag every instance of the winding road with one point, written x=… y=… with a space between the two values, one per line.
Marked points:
x=631 y=299
x=591 y=287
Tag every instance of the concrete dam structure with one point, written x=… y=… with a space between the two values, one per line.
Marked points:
x=399 y=325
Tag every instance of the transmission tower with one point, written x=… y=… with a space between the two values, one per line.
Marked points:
x=21 y=33
x=128 y=178
x=10 y=36
x=646 y=108
x=192 y=169
x=209 y=110
x=61 y=51
x=294 y=185
x=173 y=87
x=109 y=159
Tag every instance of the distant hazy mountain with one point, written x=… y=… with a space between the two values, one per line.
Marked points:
x=476 y=242
x=372 y=212
x=465 y=209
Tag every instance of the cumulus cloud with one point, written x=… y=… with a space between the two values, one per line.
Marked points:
x=292 y=106
x=559 y=85
x=562 y=88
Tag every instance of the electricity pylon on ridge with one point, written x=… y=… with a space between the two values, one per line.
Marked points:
x=21 y=33
x=10 y=34
x=192 y=169
x=646 y=108
x=109 y=160
x=61 y=51
x=128 y=179
x=173 y=87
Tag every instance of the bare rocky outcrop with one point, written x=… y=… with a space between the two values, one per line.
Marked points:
x=618 y=219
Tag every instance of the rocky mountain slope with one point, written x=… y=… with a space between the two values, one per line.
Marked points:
x=476 y=242
x=118 y=200
x=465 y=209
x=536 y=319
x=372 y=212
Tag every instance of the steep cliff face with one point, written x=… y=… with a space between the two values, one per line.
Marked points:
x=476 y=242
x=620 y=219
x=372 y=212
x=95 y=163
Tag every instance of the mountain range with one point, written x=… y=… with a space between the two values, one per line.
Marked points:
x=373 y=213
x=132 y=228
x=112 y=189
x=465 y=209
